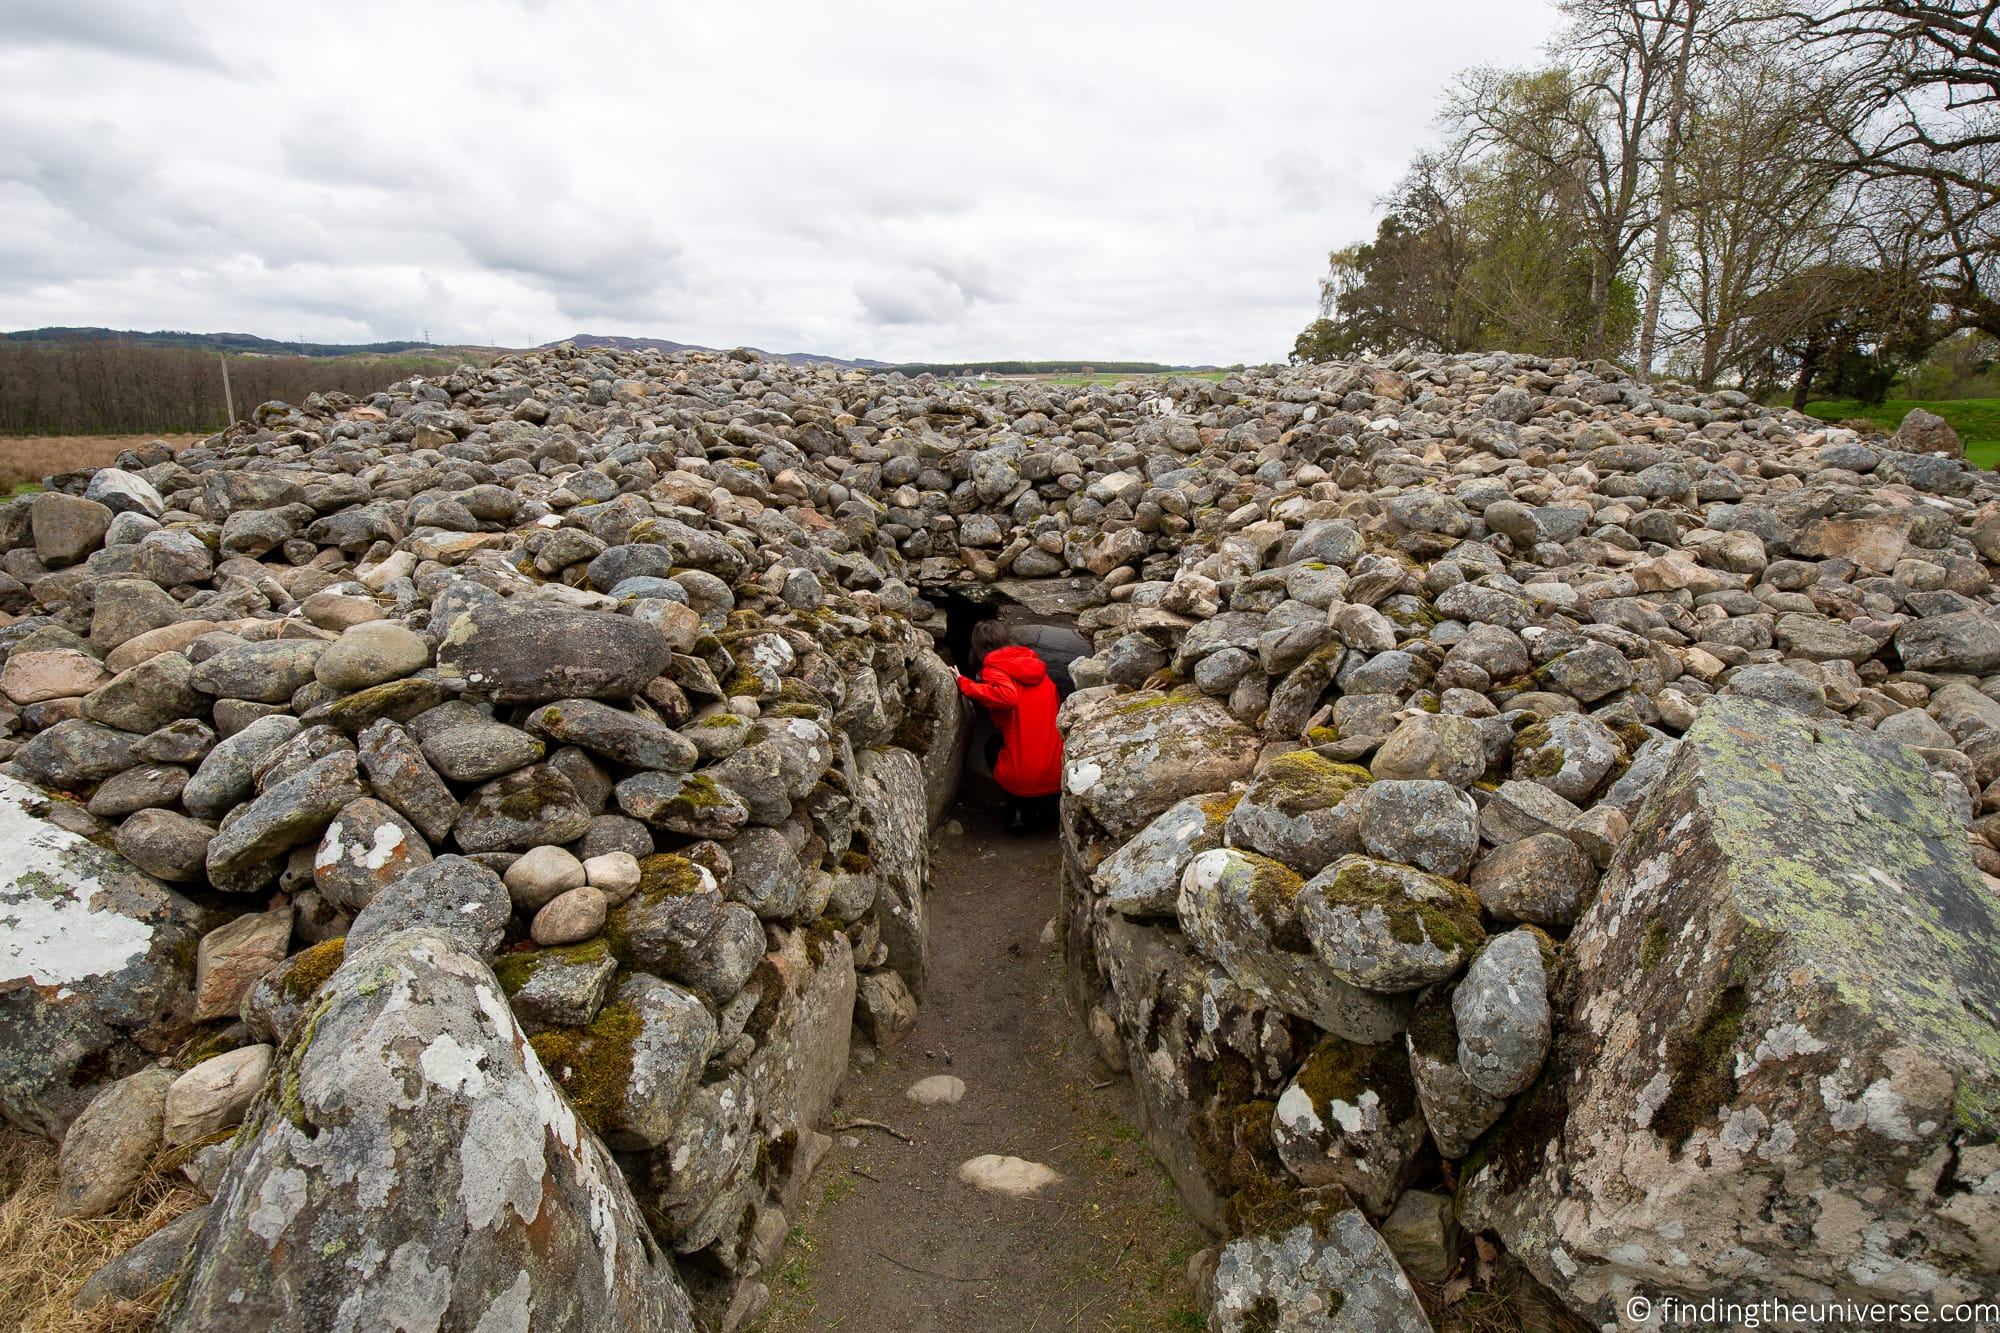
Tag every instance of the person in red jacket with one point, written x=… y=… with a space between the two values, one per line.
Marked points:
x=1027 y=755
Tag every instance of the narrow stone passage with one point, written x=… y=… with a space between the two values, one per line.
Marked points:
x=892 y=1239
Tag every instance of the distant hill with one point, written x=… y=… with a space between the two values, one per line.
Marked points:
x=249 y=344
x=625 y=344
x=240 y=343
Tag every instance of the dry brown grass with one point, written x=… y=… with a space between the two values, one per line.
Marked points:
x=28 y=458
x=45 y=1259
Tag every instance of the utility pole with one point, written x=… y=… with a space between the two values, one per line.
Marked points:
x=228 y=398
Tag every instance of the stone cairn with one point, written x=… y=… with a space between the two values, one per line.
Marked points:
x=465 y=827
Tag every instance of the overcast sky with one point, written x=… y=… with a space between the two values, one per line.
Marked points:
x=1146 y=181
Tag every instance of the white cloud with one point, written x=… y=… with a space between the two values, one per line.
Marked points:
x=886 y=180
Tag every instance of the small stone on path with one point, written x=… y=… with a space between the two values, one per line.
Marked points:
x=937 y=1090
x=1014 y=1176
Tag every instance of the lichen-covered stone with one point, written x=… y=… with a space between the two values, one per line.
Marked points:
x=694 y=805
x=1546 y=879
x=451 y=894
x=1501 y=1008
x=1428 y=824
x=1143 y=877
x=630 y=739
x=1387 y=928
x=1455 y=1108
x=630 y=1071
x=560 y=987
x=1436 y=746
x=892 y=790
x=1240 y=909
x=528 y=808
x=96 y=965
x=700 y=1182
x=1777 y=1069
x=522 y=652
x=410 y=1068
x=290 y=813
x=1128 y=759
x=1329 y=1275
x=1570 y=754
x=366 y=847
x=677 y=925
x=1297 y=811
x=1349 y=1117
x=401 y=776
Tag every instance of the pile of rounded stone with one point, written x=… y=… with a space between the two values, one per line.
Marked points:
x=663 y=756
x=606 y=672
x=1341 y=785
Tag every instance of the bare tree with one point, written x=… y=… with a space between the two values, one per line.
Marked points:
x=1757 y=199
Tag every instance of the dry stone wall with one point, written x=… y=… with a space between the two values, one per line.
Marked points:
x=471 y=824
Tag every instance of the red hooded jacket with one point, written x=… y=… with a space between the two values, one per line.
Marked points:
x=1015 y=686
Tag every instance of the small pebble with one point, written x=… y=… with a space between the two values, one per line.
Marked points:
x=570 y=918
x=614 y=874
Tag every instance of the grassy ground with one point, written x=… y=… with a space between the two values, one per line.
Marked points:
x=26 y=459
x=45 y=1259
x=1977 y=420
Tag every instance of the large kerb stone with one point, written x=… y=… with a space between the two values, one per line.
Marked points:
x=412 y=1165
x=96 y=966
x=1778 y=1068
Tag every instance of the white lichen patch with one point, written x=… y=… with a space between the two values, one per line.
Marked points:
x=512 y=1311
x=1083 y=775
x=55 y=930
x=1782 y=1042
x=388 y=838
x=1880 y=1108
x=453 y=1067
x=330 y=848
x=279 y=1199
x=1353 y=1117
x=1296 y=1113
x=1650 y=1099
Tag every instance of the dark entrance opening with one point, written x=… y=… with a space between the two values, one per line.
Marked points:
x=1051 y=633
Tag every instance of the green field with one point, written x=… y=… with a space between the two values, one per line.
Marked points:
x=1977 y=420
x=1077 y=381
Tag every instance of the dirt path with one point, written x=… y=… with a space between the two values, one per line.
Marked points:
x=892 y=1240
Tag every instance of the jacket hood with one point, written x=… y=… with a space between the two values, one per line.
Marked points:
x=1021 y=663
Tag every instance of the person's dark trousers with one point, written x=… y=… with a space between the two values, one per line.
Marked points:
x=1023 y=813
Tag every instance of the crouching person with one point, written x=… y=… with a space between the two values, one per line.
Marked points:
x=1026 y=756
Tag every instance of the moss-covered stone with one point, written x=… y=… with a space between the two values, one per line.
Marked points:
x=593 y=1065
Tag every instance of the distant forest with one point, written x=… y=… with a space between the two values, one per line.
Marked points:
x=1034 y=367
x=212 y=342
x=102 y=387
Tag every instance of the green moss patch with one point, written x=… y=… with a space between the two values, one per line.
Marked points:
x=1701 y=1068
x=593 y=1065
x=306 y=971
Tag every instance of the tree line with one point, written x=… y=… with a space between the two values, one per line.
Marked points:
x=100 y=387
x=1794 y=196
x=212 y=342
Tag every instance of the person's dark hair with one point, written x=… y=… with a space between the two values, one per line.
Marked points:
x=986 y=636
